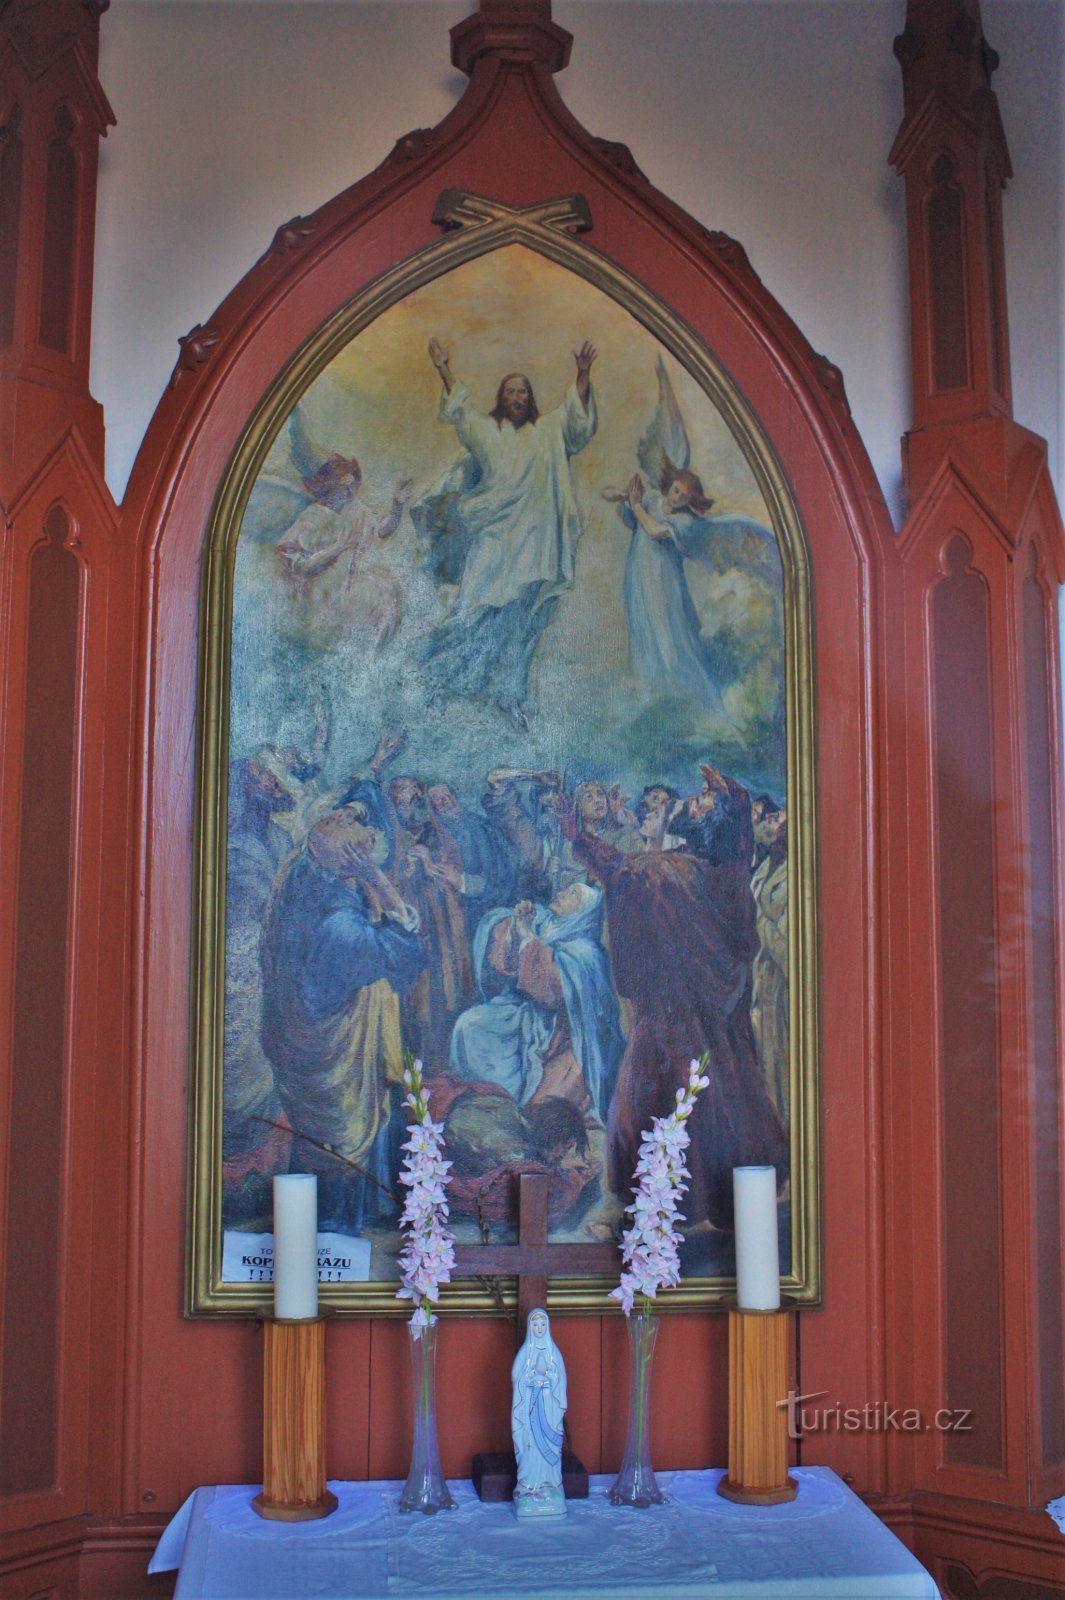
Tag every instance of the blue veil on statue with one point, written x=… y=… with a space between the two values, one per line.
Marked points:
x=538 y=1377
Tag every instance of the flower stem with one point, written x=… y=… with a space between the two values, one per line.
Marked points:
x=426 y=1368
x=643 y=1328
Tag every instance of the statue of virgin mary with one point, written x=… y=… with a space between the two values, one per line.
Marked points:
x=539 y=1378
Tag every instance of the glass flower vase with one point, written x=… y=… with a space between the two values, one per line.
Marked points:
x=426 y=1487
x=635 y=1484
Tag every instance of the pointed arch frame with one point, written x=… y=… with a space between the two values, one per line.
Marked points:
x=477 y=227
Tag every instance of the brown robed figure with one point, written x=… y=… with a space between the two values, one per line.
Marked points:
x=682 y=946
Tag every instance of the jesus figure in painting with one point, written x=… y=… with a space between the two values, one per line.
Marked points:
x=503 y=525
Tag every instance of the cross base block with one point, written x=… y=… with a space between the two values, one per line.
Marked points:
x=495 y=1475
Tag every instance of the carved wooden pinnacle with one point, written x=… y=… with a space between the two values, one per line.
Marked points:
x=519 y=32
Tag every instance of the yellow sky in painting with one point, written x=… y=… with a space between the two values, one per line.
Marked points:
x=512 y=310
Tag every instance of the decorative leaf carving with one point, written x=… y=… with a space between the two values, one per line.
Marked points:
x=731 y=252
x=410 y=146
x=831 y=380
x=196 y=347
x=288 y=237
x=620 y=156
x=909 y=47
x=989 y=58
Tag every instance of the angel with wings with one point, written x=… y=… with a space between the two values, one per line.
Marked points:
x=671 y=524
x=326 y=535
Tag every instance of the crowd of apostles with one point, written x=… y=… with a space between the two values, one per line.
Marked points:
x=555 y=957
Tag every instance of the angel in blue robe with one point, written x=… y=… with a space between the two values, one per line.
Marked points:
x=325 y=536
x=670 y=525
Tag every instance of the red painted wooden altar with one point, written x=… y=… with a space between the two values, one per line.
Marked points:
x=939 y=807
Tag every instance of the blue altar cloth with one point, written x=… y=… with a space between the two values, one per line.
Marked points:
x=823 y=1545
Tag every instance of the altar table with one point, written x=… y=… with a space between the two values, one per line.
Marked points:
x=698 y=1546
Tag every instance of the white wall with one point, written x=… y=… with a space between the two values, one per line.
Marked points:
x=769 y=119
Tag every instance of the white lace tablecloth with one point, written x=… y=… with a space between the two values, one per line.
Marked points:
x=822 y=1544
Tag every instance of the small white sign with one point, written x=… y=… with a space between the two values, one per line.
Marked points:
x=249 y=1258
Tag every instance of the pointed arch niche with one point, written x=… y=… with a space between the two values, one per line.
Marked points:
x=511 y=138
x=520 y=282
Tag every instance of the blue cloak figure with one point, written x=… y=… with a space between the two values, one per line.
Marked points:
x=334 y=963
x=512 y=1037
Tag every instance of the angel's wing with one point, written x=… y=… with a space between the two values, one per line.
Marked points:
x=664 y=448
x=722 y=543
x=273 y=506
x=307 y=454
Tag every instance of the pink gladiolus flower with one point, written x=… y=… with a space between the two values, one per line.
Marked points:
x=650 y=1247
x=428 y=1252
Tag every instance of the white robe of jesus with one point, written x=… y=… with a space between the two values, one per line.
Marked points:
x=521 y=518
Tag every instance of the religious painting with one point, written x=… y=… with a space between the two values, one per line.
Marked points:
x=504 y=760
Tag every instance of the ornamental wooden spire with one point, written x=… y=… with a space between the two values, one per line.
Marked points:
x=982 y=558
x=951 y=151
x=58 y=524
x=518 y=32
x=53 y=113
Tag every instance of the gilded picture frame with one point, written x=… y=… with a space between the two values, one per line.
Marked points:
x=368 y=653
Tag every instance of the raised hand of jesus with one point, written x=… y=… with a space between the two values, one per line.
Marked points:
x=584 y=358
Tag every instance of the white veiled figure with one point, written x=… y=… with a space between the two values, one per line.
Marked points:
x=539 y=1379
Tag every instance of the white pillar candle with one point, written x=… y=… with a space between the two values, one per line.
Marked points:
x=296 y=1245
x=754 y=1194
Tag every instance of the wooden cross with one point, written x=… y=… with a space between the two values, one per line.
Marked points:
x=532 y=1258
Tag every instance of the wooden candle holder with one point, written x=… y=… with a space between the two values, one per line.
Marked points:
x=294 y=1421
x=757 y=1409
